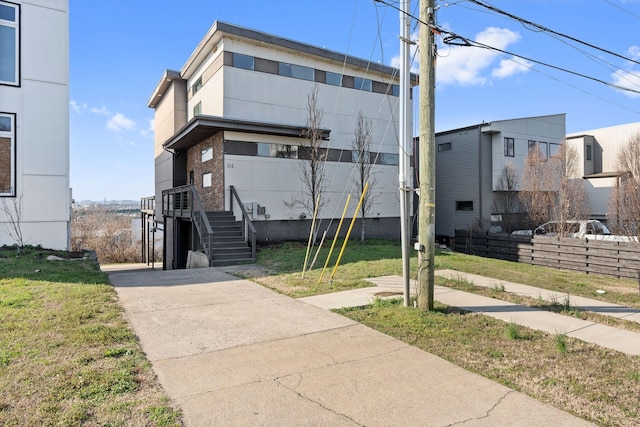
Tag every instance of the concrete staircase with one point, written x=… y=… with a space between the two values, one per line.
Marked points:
x=228 y=244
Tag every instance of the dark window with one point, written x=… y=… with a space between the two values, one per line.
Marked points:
x=241 y=148
x=509 y=147
x=265 y=65
x=197 y=109
x=395 y=90
x=243 y=61
x=588 y=153
x=445 y=146
x=465 y=206
x=296 y=71
x=347 y=81
x=554 y=149
x=533 y=145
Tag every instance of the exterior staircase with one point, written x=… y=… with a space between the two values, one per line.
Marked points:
x=228 y=243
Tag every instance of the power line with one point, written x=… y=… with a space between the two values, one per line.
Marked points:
x=450 y=37
x=548 y=30
x=621 y=8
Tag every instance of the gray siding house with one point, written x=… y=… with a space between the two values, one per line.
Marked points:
x=469 y=161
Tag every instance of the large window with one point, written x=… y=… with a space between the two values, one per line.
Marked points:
x=296 y=71
x=9 y=44
x=509 y=147
x=243 y=61
x=7 y=154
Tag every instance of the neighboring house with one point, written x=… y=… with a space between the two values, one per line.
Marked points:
x=34 y=121
x=235 y=116
x=470 y=160
x=598 y=150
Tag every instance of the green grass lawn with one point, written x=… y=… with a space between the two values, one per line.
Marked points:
x=67 y=355
x=594 y=383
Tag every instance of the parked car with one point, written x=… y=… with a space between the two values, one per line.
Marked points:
x=573 y=228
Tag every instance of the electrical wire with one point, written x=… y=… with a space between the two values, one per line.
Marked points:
x=621 y=8
x=548 y=30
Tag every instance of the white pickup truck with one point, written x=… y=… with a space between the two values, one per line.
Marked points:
x=591 y=229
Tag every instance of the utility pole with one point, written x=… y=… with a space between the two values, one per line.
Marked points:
x=404 y=143
x=427 y=168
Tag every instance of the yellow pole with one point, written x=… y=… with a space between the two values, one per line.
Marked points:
x=333 y=244
x=313 y=226
x=346 y=238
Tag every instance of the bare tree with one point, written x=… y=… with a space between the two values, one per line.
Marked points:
x=361 y=144
x=537 y=192
x=312 y=158
x=624 y=205
x=506 y=201
x=571 y=201
x=107 y=233
x=12 y=209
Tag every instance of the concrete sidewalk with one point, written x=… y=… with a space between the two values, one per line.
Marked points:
x=231 y=352
x=606 y=336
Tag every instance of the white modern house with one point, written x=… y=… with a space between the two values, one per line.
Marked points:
x=598 y=150
x=470 y=160
x=230 y=131
x=34 y=121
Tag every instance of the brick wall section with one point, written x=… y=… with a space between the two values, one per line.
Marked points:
x=212 y=197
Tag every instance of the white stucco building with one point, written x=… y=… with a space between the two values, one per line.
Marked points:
x=598 y=150
x=235 y=116
x=34 y=120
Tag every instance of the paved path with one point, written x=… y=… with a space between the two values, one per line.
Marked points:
x=606 y=336
x=233 y=353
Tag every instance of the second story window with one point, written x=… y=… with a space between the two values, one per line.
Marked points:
x=9 y=44
x=197 y=85
x=243 y=61
x=7 y=155
x=509 y=147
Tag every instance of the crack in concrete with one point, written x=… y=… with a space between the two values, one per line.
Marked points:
x=487 y=414
x=320 y=404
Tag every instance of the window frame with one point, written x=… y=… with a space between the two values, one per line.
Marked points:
x=197 y=85
x=509 y=147
x=11 y=135
x=588 y=153
x=240 y=60
x=15 y=24
x=444 y=146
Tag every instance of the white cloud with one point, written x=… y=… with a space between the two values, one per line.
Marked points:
x=77 y=108
x=102 y=110
x=152 y=124
x=628 y=79
x=470 y=65
x=634 y=52
x=119 y=122
x=509 y=67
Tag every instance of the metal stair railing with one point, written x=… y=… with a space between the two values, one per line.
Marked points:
x=186 y=199
x=248 y=229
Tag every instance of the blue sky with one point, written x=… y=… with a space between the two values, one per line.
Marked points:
x=119 y=50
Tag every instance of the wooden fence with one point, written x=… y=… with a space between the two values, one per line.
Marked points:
x=615 y=259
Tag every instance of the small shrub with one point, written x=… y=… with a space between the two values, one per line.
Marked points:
x=513 y=331
x=561 y=343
